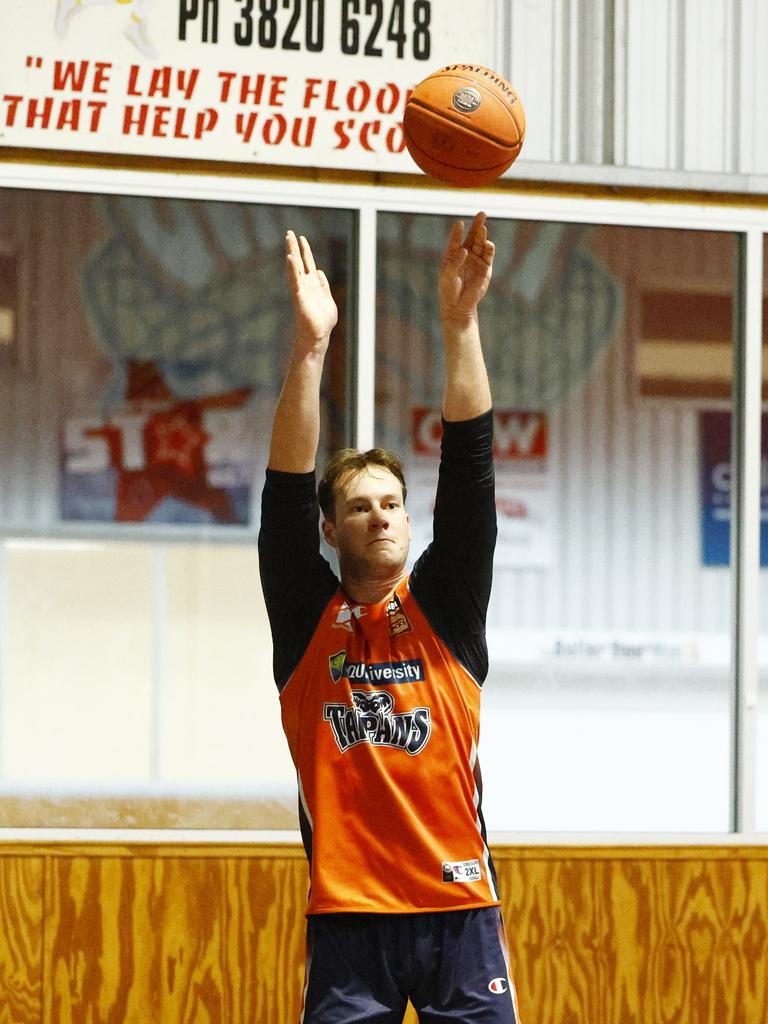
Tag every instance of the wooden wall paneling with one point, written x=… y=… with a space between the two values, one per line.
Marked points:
x=202 y=935
x=21 y=939
x=551 y=922
x=688 y=940
x=265 y=938
x=135 y=940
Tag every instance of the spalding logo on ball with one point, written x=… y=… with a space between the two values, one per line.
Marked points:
x=464 y=124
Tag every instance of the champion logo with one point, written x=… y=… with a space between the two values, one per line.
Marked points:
x=498 y=986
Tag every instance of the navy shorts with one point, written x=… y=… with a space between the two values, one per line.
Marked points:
x=452 y=965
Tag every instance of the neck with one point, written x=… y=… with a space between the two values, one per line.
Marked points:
x=369 y=591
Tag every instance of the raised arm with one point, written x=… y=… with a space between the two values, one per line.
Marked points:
x=296 y=426
x=465 y=274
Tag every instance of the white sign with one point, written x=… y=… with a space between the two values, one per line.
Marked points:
x=593 y=649
x=317 y=83
x=524 y=504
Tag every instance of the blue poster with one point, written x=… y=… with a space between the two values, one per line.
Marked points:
x=715 y=478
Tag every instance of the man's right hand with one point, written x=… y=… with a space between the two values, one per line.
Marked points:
x=313 y=304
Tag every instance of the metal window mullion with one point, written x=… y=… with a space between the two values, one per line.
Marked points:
x=365 y=356
x=745 y=532
x=499 y=26
x=617 y=84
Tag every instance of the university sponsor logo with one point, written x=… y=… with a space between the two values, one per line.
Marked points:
x=461 y=871
x=371 y=718
x=498 y=986
x=379 y=673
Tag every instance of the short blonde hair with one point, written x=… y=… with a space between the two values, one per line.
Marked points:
x=344 y=464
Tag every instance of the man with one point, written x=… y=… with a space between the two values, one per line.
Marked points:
x=379 y=678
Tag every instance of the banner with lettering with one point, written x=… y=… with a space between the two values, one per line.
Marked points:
x=320 y=83
x=162 y=333
x=524 y=504
x=716 y=484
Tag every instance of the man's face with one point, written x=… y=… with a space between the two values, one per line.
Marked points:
x=370 y=530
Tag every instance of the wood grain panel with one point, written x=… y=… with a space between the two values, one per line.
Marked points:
x=265 y=947
x=688 y=940
x=215 y=935
x=628 y=941
x=21 y=940
x=136 y=940
x=551 y=922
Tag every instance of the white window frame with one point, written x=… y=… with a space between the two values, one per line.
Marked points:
x=749 y=223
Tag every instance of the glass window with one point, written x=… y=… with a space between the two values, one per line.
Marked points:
x=762 y=707
x=77 y=658
x=150 y=346
x=609 y=351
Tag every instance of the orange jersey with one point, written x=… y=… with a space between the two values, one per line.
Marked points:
x=383 y=723
x=381 y=703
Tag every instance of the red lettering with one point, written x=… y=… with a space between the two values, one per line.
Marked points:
x=330 y=95
x=69 y=116
x=311 y=92
x=205 y=121
x=358 y=97
x=255 y=90
x=246 y=126
x=388 y=98
x=178 y=128
x=101 y=77
x=396 y=139
x=342 y=129
x=273 y=137
x=226 y=78
x=368 y=129
x=160 y=82
x=160 y=122
x=70 y=75
x=309 y=132
x=43 y=115
x=277 y=92
x=13 y=105
x=135 y=121
x=96 y=108
x=133 y=77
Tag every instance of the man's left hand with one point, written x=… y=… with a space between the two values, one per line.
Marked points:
x=465 y=272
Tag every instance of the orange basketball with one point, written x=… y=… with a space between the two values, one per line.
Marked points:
x=464 y=124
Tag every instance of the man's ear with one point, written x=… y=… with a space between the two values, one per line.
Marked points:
x=329 y=532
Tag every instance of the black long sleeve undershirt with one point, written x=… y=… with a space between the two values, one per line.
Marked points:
x=451 y=580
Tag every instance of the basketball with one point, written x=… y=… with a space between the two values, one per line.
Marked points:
x=464 y=125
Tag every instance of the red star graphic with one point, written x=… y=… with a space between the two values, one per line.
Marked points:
x=176 y=439
x=174 y=449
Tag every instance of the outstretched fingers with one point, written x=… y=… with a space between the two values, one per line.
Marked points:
x=489 y=251
x=477 y=241
x=455 y=253
x=299 y=257
x=293 y=261
x=306 y=255
x=457 y=232
x=477 y=234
